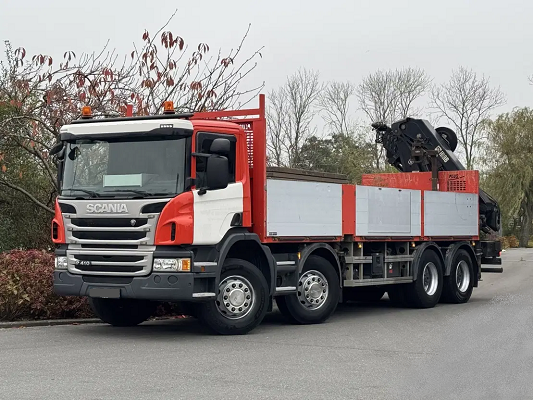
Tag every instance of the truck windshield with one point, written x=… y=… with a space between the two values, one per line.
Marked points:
x=124 y=167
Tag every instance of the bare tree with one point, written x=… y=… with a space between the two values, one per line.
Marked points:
x=386 y=96
x=334 y=102
x=466 y=101
x=278 y=127
x=290 y=113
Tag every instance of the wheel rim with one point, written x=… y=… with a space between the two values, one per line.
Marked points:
x=430 y=279
x=313 y=290
x=462 y=276
x=236 y=297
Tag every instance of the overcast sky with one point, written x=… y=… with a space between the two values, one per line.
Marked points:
x=343 y=40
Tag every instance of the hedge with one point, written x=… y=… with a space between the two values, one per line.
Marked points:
x=26 y=290
x=26 y=279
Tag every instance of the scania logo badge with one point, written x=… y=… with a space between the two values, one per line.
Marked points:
x=107 y=208
x=133 y=222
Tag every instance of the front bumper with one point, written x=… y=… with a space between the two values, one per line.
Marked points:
x=161 y=287
x=158 y=286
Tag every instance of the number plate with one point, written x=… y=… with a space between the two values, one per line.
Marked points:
x=106 y=293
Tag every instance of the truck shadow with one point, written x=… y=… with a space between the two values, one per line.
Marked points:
x=183 y=328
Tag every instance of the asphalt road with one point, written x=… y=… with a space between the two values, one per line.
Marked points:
x=479 y=350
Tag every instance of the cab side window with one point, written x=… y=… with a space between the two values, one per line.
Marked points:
x=203 y=144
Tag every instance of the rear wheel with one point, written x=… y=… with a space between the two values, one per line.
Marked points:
x=425 y=292
x=122 y=312
x=241 y=303
x=458 y=286
x=317 y=293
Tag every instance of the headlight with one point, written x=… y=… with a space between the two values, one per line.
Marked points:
x=172 y=264
x=61 y=263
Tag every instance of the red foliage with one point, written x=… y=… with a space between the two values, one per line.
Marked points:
x=26 y=279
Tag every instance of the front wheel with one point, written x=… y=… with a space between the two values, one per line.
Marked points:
x=241 y=303
x=458 y=286
x=122 y=312
x=317 y=294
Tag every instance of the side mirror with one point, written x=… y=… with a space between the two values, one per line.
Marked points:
x=217 y=175
x=220 y=146
x=57 y=148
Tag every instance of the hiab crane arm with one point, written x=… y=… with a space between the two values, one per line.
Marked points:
x=414 y=145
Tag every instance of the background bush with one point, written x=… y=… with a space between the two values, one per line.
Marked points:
x=26 y=289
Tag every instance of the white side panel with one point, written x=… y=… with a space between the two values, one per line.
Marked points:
x=387 y=211
x=214 y=211
x=296 y=208
x=450 y=214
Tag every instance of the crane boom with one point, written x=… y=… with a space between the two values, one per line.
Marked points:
x=413 y=145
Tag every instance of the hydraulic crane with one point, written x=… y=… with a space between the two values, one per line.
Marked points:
x=413 y=145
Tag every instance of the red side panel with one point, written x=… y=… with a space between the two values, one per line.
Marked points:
x=407 y=180
x=348 y=209
x=179 y=211
x=449 y=181
x=57 y=226
x=459 y=181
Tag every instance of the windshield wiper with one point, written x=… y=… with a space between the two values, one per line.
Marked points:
x=139 y=192
x=89 y=192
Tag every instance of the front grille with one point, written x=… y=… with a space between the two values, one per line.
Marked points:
x=110 y=262
x=109 y=235
x=109 y=246
x=110 y=258
x=108 y=231
x=109 y=222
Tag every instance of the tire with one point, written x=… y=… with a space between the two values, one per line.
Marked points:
x=458 y=286
x=122 y=312
x=297 y=308
x=236 y=314
x=364 y=294
x=425 y=292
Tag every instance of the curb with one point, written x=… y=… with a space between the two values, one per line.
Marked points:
x=48 y=322
x=80 y=321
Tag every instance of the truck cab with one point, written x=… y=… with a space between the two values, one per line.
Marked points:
x=143 y=203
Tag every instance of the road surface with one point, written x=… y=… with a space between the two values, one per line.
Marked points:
x=480 y=350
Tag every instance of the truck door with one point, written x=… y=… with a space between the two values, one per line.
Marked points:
x=214 y=210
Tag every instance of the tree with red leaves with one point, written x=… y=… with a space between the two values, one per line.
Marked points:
x=39 y=94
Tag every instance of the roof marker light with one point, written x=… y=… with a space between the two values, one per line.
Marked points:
x=168 y=107
x=86 y=112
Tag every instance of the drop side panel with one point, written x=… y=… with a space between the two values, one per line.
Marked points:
x=387 y=212
x=450 y=214
x=303 y=209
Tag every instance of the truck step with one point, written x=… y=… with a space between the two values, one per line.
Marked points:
x=205 y=295
x=286 y=289
x=286 y=266
x=497 y=270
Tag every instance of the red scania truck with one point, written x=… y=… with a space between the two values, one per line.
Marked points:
x=182 y=208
